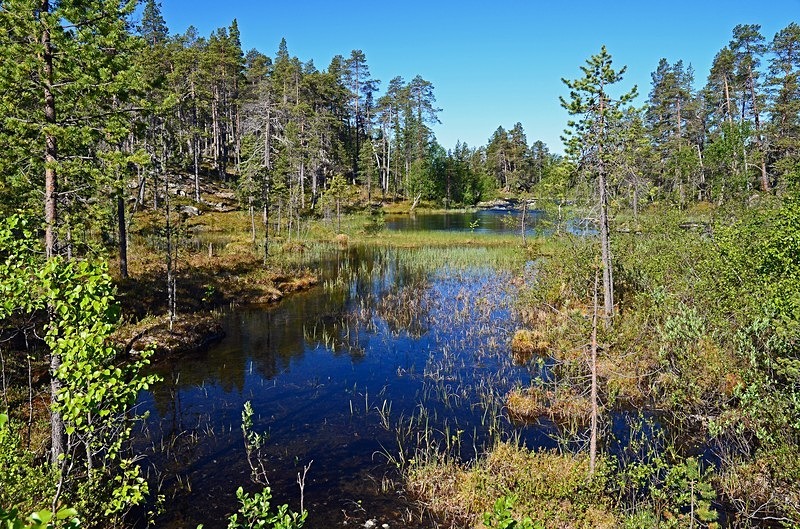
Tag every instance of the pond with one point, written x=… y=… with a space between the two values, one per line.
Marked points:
x=485 y=221
x=480 y=221
x=396 y=351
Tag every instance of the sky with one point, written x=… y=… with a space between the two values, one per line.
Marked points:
x=492 y=63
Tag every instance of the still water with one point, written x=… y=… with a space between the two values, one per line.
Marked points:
x=396 y=349
x=491 y=221
x=480 y=221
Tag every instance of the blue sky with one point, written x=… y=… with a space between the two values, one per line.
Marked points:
x=496 y=62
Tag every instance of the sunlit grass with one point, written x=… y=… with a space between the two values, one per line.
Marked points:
x=552 y=487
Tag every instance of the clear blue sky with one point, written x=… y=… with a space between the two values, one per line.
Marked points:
x=495 y=62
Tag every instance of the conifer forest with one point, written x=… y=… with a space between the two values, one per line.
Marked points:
x=242 y=289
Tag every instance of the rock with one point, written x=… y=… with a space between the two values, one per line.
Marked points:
x=223 y=208
x=190 y=211
x=369 y=524
x=495 y=204
x=226 y=195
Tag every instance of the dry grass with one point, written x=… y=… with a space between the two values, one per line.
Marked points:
x=552 y=488
x=528 y=343
x=563 y=404
x=225 y=268
x=342 y=239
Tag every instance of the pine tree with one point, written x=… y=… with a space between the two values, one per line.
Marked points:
x=588 y=142
x=357 y=80
x=784 y=89
x=65 y=76
x=748 y=47
x=153 y=27
x=672 y=118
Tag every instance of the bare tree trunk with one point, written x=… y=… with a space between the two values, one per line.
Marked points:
x=728 y=100
x=415 y=203
x=252 y=218
x=56 y=421
x=123 y=236
x=765 y=186
x=50 y=152
x=170 y=271
x=266 y=228
x=195 y=146
x=605 y=243
x=593 y=434
x=605 y=250
x=142 y=185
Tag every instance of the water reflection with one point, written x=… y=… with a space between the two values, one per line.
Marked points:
x=385 y=344
x=481 y=221
x=490 y=221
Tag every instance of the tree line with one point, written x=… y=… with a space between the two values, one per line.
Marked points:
x=118 y=106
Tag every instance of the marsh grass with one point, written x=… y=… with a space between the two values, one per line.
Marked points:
x=551 y=487
x=526 y=343
x=562 y=403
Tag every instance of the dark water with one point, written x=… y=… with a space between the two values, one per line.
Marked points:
x=487 y=221
x=387 y=356
x=481 y=221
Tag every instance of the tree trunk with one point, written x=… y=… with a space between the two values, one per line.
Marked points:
x=50 y=218
x=593 y=433
x=728 y=100
x=266 y=227
x=605 y=243
x=195 y=146
x=123 y=236
x=605 y=249
x=57 y=431
x=50 y=153
x=252 y=219
x=765 y=186
x=170 y=271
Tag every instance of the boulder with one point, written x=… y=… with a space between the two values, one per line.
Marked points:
x=190 y=211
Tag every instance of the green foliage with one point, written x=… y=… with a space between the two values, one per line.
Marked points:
x=96 y=393
x=62 y=519
x=253 y=444
x=654 y=481
x=97 y=389
x=375 y=222
x=501 y=516
x=18 y=261
x=339 y=193
x=256 y=513
x=93 y=83
x=24 y=482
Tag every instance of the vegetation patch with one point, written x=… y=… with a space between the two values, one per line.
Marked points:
x=552 y=488
x=563 y=404
x=527 y=343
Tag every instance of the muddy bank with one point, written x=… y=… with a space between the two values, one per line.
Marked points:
x=197 y=329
